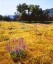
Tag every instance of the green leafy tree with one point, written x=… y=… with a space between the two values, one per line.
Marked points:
x=22 y=7
x=36 y=12
x=46 y=14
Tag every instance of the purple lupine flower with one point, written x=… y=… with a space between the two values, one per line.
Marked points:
x=8 y=46
x=13 y=40
x=17 y=50
x=24 y=44
x=19 y=44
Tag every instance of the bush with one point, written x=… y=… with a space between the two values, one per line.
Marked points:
x=18 y=52
x=5 y=38
x=52 y=29
x=16 y=57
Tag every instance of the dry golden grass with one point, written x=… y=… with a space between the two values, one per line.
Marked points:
x=38 y=37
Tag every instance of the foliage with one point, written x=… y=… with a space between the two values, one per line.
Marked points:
x=5 y=38
x=34 y=13
x=19 y=51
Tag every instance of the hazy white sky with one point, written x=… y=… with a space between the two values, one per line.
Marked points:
x=8 y=7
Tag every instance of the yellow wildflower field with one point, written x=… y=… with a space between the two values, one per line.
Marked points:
x=38 y=38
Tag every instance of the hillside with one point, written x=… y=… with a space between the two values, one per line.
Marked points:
x=51 y=11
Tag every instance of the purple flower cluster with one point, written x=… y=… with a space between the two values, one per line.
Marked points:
x=20 y=44
x=8 y=46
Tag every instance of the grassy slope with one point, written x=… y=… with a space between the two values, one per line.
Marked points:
x=38 y=37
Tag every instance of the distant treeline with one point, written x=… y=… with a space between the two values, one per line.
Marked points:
x=6 y=18
x=29 y=13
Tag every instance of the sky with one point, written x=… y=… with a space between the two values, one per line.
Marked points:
x=8 y=7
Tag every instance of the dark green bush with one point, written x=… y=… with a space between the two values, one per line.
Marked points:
x=18 y=56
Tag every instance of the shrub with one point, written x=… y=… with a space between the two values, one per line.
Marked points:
x=23 y=27
x=18 y=56
x=52 y=29
x=18 y=52
x=5 y=38
x=0 y=24
x=14 y=56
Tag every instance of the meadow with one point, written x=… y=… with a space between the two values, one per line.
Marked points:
x=36 y=39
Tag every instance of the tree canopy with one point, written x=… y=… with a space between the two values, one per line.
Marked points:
x=34 y=12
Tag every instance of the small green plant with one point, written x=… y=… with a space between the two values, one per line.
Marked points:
x=23 y=53
x=52 y=29
x=23 y=27
x=14 y=56
x=5 y=38
x=0 y=24
x=18 y=55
